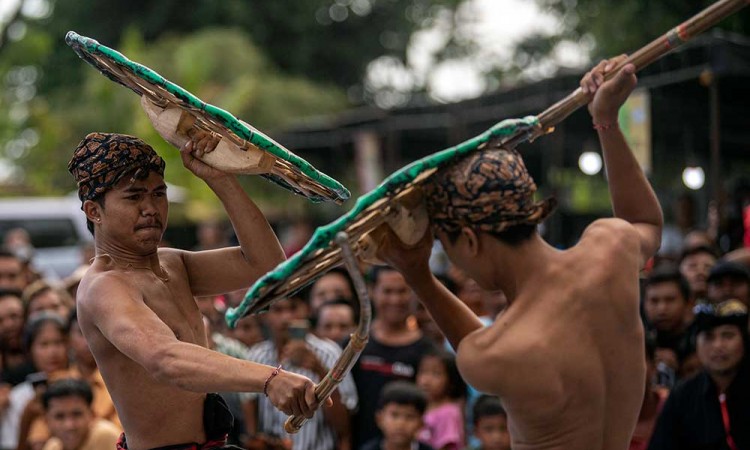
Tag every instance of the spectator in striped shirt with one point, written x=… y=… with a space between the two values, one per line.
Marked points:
x=306 y=355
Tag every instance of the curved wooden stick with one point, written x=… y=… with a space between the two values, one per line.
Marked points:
x=357 y=341
x=641 y=58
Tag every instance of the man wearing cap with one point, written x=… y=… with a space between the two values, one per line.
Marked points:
x=712 y=409
x=566 y=356
x=136 y=306
x=727 y=280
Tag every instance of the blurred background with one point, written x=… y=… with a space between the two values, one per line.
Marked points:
x=362 y=87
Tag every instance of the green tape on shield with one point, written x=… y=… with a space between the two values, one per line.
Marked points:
x=324 y=236
x=89 y=50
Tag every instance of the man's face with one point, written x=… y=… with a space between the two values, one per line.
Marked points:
x=399 y=423
x=11 y=321
x=392 y=297
x=330 y=286
x=720 y=349
x=11 y=274
x=335 y=322
x=135 y=214
x=492 y=432
x=729 y=287
x=69 y=419
x=665 y=306
x=695 y=268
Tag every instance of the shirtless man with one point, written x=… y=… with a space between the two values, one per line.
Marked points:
x=566 y=356
x=136 y=306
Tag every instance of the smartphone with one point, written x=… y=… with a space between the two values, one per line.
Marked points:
x=298 y=329
x=665 y=375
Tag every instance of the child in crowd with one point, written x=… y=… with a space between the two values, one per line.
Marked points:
x=490 y=424
x=399 y=416
x=438 y=377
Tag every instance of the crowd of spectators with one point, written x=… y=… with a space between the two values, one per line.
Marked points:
x=405 y=391
x=52 y=396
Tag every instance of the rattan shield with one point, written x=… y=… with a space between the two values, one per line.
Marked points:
x=280 y=165
x=369 y=212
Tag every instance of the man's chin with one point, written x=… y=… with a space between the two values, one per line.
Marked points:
x=149 y=235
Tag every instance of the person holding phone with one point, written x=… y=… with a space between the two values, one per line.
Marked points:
x=292 y=347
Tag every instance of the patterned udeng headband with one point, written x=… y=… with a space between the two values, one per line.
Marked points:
x=102 y=159
x=487 y=191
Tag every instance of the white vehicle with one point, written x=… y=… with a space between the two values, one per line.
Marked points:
x=57 y=227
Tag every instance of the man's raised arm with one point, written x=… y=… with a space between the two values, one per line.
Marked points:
x=230 y=269
x=633 y=199
x=452 y=316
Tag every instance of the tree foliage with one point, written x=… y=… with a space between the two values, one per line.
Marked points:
x=267 y=62
x=330 y=41
x=614 y=28
x=220 y=66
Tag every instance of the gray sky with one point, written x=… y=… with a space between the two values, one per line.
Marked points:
x=495 y=26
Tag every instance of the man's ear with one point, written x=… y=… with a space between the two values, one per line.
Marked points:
x=472 y=241
x=92 y=210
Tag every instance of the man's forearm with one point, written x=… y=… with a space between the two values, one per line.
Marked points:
x=198 y=369
x=454 y=318
x=633 y=199
x=258 y=241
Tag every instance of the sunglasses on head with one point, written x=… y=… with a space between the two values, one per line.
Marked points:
x=729 y=308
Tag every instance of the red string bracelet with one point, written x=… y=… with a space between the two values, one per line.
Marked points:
x=275 y=372
x=604 y=126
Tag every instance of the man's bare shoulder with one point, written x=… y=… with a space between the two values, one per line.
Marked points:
x=170 y=254
x=100 y=286
x=611 y=233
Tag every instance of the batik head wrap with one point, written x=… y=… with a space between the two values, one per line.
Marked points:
x=487 y=191
x=102 y=159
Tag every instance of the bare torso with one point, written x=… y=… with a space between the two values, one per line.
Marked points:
x=153 y=413
x=566 y=357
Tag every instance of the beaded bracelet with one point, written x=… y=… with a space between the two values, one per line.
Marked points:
x=605 y=126
x=275 y=372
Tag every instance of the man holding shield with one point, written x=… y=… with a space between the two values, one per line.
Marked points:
x=136 y=307
x=566 y=356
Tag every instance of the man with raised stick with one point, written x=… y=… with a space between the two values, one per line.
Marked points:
x=136 y=306
x=566 y=357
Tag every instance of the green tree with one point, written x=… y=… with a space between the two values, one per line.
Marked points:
x=324 y=40
x=221 y=66
x=616 y=27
